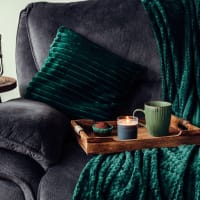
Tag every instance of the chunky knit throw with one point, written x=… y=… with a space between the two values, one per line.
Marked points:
x=165 y=173
x=176 y=24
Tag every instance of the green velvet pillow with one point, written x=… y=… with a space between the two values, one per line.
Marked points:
x=83 y=79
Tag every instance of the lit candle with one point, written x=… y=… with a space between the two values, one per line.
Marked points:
x=127 y=127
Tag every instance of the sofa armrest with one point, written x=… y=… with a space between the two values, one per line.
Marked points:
x=34 y=129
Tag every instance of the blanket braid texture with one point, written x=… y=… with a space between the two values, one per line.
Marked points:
x=165 y=173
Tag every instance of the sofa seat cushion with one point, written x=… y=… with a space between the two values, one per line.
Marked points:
x=60 y=180
x=83 y=79
x=34 y=129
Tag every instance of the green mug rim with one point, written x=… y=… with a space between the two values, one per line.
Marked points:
x=165 y=104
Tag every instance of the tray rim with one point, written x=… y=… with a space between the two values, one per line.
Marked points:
x=107 y=144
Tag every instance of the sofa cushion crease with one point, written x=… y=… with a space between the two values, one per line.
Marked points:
x=22 y=171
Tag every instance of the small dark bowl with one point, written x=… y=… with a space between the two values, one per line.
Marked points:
x=102 y=131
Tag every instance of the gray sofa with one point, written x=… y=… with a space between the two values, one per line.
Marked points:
x=39 y=156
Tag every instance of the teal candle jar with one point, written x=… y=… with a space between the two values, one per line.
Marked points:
x=127 y=127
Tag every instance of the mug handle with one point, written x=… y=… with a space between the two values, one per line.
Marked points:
x=139 y=110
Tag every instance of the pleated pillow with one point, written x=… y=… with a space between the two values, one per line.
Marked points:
x=83 y=79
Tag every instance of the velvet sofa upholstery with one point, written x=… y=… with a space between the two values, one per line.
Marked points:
x=120 y=26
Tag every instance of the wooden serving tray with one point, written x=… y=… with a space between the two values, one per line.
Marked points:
x=180 y=132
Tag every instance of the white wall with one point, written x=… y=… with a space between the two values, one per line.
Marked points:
x=9 y=15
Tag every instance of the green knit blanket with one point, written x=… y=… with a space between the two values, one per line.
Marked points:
x=176 y=25
x=166 y=173
x=163 y=173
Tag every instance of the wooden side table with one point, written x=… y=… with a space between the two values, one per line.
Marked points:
x=7 y=84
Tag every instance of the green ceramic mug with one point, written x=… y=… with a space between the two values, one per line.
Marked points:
x=157 y=117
